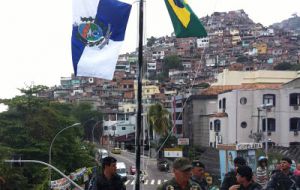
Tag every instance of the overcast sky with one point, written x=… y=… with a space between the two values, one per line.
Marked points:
x=35 y=34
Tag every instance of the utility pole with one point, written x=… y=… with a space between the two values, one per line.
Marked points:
x=266 y=107
x=258 y=119
x=139 y=95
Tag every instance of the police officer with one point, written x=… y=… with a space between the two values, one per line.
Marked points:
x=182 y=174
x=198 y=171
x=109 y=179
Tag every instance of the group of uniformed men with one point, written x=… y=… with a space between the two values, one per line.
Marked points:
x=190 y=176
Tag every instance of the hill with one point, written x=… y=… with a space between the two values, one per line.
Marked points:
x=292 y=23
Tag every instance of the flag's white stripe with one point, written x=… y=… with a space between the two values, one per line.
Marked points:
x=94 y=62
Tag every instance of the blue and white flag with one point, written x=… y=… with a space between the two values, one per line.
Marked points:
x=98 y=32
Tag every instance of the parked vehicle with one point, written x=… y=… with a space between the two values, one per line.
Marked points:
x=132 y=170
x=100 y=154
x=163 y=165
x=121 y=170
x=116 y=150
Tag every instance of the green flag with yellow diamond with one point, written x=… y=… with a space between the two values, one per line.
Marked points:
x=185 y=21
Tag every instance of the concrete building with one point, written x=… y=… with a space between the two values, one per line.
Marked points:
x=249 y=77
x=117 y=124
x=240 y=116
x=148 y=91
x=196 y=115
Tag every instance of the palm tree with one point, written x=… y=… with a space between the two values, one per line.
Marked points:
x=159 y=119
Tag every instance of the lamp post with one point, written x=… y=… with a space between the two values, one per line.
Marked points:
x=49 y=165
x=266 y=107
x=50 y=149
x=94 y=129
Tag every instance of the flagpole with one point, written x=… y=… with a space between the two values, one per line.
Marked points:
x=139 y=96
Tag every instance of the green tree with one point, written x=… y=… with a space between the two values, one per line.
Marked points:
x=287 y=66
x=243 y=59
x=27 y=129
x=150 y=41
x=89 y=118
x=171 y=62
x=283 y=66
x=159 y=119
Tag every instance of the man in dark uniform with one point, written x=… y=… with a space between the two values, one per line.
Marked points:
x=230 y=178
x=109 y=179
x=198 y=171
x=182 y=174
x=244 y=176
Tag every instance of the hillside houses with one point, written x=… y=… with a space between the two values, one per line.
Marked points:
x=236 y=59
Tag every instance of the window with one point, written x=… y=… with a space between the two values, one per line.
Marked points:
x=220 y=104
x=243 y=100
x=210 y=126
x=271 y=125
x=178 y=116
x=105 y=128
x=295 y=124
x=178 y=105
x=179 y=129
x=123 y=128
x=244 y=124
x=224 y=103
x=295 y=99
x=217 y=125
x=269 y=99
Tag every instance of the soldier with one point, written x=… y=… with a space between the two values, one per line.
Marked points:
x=182 y=174
x=198 y=174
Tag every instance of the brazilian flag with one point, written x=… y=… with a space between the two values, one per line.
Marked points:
x=185 y=21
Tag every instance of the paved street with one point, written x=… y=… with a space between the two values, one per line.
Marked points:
x=153 y=178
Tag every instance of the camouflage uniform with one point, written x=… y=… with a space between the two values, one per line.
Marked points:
x=173 y=185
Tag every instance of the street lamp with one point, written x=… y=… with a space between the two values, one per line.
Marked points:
x=50 y=149
x=94 y=129
x=266 y=107
x=49 y=165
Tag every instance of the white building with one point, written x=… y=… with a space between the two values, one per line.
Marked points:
x=118 y=124
x=202 y=42
x=240 y=115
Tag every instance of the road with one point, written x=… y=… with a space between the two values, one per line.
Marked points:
x=153 y=178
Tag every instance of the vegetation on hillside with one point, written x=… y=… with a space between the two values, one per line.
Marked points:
x=27 y=129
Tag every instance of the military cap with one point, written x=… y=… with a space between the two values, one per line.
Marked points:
x=182 y=164
x=197 y=163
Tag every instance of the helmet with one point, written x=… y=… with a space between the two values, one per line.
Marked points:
x=262 y=158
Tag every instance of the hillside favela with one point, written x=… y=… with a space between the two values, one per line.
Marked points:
x=206 y=101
